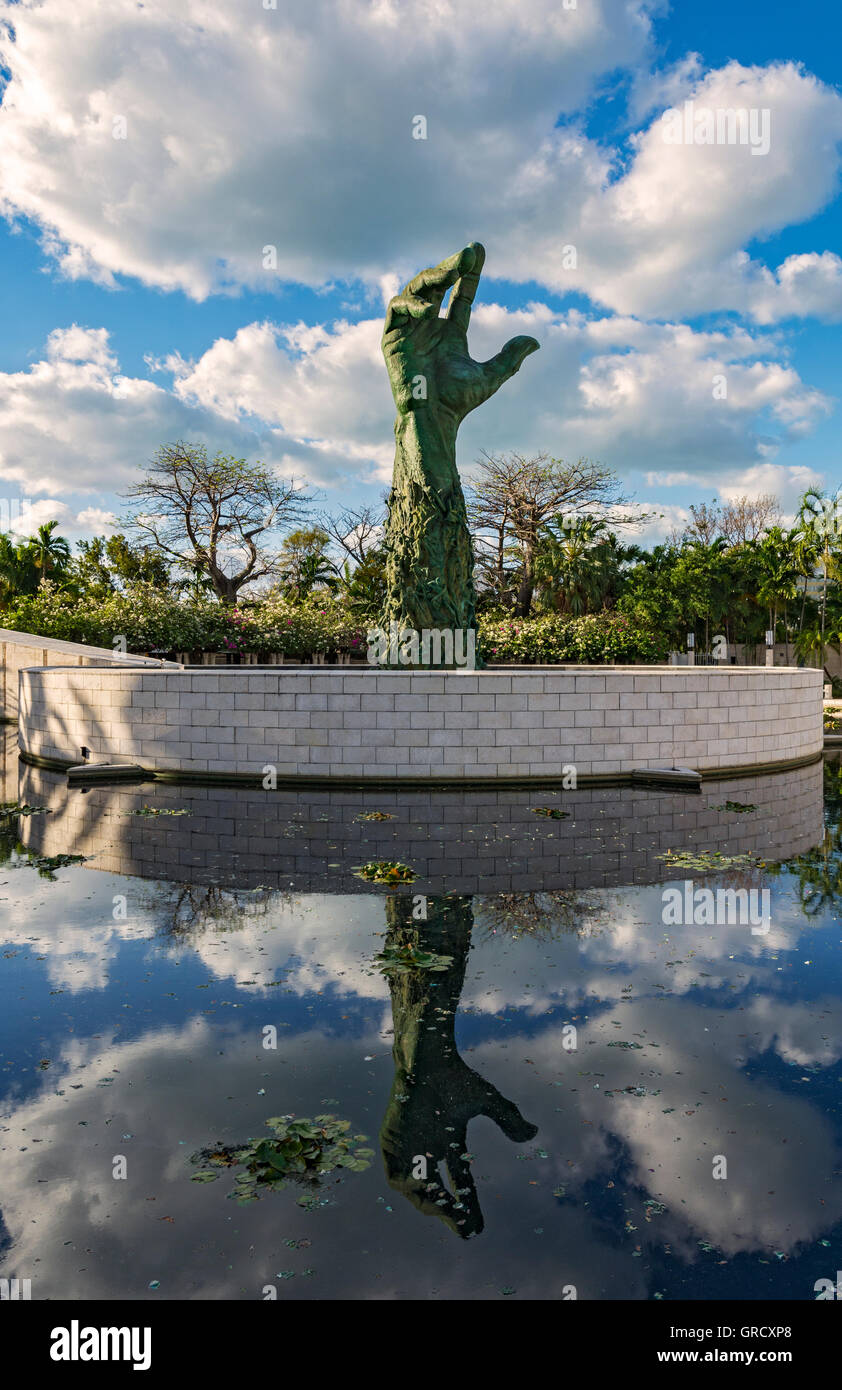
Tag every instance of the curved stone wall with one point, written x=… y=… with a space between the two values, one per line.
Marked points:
x=21 y=649
x=516 y=722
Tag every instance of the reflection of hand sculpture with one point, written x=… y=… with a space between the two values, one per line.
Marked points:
x=435 y=1093
x=435 y=384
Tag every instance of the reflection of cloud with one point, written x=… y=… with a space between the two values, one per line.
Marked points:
x=802 y=1034
x=780 y=1149
x=176 y=1089
x=70 y=922
x=624 y=935
x=77 y=1232
x=321 y=941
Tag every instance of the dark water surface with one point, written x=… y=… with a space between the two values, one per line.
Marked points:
x=136 y=989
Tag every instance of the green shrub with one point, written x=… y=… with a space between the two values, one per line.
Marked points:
x=151 y=619
x=594 y=640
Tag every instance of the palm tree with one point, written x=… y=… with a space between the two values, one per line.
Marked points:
x=304 y=565
x=780 y=572
x=806 y=552
x=578 y=563
x=18 y=573
x=818 y=519
x=50 y=552
x=317 y=572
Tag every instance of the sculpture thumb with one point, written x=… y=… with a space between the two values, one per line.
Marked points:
x=508 y=360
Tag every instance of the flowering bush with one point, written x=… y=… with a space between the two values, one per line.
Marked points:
x=150 y=619
x=594 y=639
x=146 y=616
x=316 y=626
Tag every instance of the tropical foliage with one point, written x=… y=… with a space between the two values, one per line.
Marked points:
x=594 y=638
x=555 y=581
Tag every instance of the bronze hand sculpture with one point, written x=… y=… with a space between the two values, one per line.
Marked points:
x=435 y=383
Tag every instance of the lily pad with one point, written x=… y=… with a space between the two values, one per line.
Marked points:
x=298 y=1150
x=399 y=960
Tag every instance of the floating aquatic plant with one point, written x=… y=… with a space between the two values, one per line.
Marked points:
x=706 y=863
x=300 y=1150
x=399 y=960
x=46 y=864
x=552 y=812
x=743 y=807
x=160 y=811
x=385 y=871
x=375 y=815
x=22 y=808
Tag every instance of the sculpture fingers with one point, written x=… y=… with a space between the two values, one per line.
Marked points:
x=405 y=307
x=433 y=284
x=506 y=1116
x=462 y=1181
x=459 y=309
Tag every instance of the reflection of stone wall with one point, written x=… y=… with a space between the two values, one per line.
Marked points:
x=524 y=722
x=462 y=842
x=9 y=762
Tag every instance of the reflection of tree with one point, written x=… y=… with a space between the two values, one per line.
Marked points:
x=832 y=777
x=9 y=841
x=435 y=1093
x=819 y=874
x=190 y=909
x=542 y=915
x=819 y=871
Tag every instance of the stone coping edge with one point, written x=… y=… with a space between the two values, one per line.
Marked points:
x=154 y=664
x=322 y=783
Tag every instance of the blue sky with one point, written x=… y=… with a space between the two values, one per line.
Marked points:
x=138 y=309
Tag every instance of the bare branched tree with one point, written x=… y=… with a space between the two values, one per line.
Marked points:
x=213 y=515
x=511 y=498
x=746 y=518
x=356 y=530
x=706 y=523
x=740 y=522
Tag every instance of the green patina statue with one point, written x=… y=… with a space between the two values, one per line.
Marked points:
x=435 y=383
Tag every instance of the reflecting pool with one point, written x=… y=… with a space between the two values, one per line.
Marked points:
x=547 y=1067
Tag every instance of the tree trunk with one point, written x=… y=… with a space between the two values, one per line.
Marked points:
x=527 y=583
x=226 y=589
